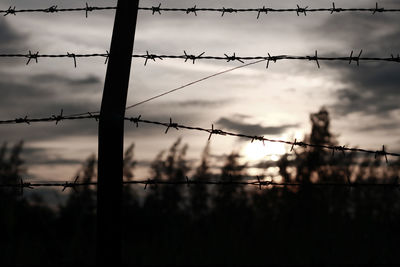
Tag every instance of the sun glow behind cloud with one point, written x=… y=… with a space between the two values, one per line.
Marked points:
x=258 y=151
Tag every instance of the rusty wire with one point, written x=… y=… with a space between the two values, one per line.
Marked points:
x=210 y=131
x=228 y=58
x=298 y=10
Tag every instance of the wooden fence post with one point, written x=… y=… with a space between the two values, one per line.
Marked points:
x=111 y=135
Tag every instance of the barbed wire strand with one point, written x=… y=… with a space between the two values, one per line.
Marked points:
x=12 y=10
x=193 y=58
x=351 y=58
x=258 y=182
x=212 y=131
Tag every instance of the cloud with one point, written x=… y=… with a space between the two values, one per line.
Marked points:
x=199 y=103
x=385 y=126
x=57 y=79
x=44 y=95
x=10 y=40
x=41 y=94
x=253 y=129
x=36 y=155
x=371 y=88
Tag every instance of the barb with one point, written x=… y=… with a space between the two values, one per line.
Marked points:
x=193 y=57
x=136 y=120
x=377 y=9
x=382 y=153
x=10 y=10
x=215 y=131
x=338 y=148
x=233 y=58
x=274 y=59
x=253 y=181
x=192 y=9
x=51 y=9
x=301 y=10
x=58 y=118
x=158 y=9
x=73 y=56
x=71 y=185
x=88 y=9
x=259 y=138
x=170 y=125
x=201 y=56
x=262 y=10
x=395 y=59
x=155 y=9
x=315 y=58
x=150 y=56
x=356 y=59
x=107 y=56
x=32 y=56
x=334 y=9
x=228 y=10
x=22 y=120
x=23 y=185
x=211 y=132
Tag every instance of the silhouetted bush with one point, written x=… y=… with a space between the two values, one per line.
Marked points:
x=217 y=224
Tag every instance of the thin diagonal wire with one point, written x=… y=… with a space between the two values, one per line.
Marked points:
x=194 y=82
x=176 y=89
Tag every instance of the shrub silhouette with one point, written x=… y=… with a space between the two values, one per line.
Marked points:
x=217 y=224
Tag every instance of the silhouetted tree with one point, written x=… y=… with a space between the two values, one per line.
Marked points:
x=243 y=225
x=198 y=194
x=230 y=196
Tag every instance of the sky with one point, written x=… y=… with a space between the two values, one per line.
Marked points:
x=274 y=102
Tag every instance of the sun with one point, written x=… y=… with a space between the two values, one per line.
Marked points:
x=258 y=151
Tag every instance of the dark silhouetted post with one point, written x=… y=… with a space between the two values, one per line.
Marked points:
x=111 y=134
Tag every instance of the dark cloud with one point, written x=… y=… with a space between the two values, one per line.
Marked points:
x=372 y=88
x=47 y=131
x=40 y=96
x=35 y=107
x=253 y=129
x=241 y=116
x=41 y=156
x=384 y=126
x=199 y=103
x=57 y=79
x=52 y=93
x=10 y=40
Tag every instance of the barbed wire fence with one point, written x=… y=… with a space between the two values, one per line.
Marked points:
x=211 y=131
x=257 y=181
x=12 y=10
x=228 y=58
x=186 y=57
